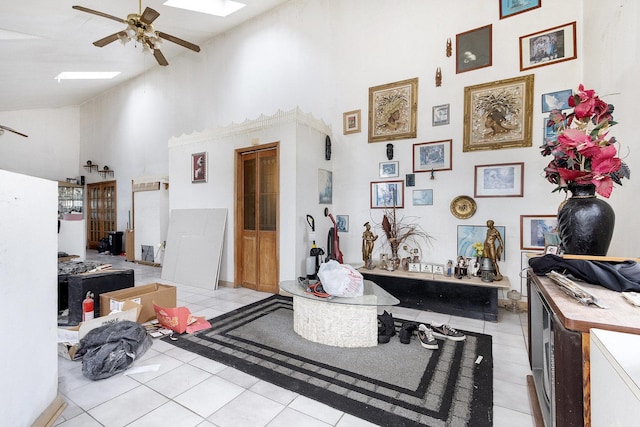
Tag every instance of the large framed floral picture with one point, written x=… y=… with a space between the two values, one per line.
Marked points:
x=498 y=114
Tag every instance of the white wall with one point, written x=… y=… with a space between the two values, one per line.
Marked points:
x=323 y=56
x=28 y=290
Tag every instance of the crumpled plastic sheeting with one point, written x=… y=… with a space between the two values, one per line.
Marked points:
x=110 y=349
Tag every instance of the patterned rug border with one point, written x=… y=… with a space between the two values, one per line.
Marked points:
x=378 y=402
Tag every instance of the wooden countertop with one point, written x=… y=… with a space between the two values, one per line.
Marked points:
x=619 y=315
x=472 y=281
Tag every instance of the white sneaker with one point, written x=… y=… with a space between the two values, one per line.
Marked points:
x=446 y=332
x=427 y=340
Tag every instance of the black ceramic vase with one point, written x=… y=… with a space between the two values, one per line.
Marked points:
x=585 y=222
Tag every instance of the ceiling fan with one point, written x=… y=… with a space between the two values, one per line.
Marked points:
x=3 y=128
x=140 y=29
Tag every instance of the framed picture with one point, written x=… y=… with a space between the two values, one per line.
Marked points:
x=199 y=167
x=473 y=49
x=410 y=179
x=550 y=132
x=351 y=122
x=546 y=47
x=533 y=229
x=342 y=223
x=440 y=115
x=389 y=169
x=387 y=194
x=422 y=197
x=556 y=100
x=325 y=186
x=499 y=180
x=470 y=234
x=498 y=114
x=513 y=7
x=392 y=111
x=430 y=156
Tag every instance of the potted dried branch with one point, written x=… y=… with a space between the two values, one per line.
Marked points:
x=399 y=230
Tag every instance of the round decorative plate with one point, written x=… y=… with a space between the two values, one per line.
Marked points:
x=463 y=207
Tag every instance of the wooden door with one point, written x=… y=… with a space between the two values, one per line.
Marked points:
x=256 y=237
x=101 y=211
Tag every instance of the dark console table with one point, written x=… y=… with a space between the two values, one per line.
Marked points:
x=467 y=297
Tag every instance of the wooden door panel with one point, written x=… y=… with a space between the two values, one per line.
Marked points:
x=249 y=261
x=268 y=262
x=101 y=211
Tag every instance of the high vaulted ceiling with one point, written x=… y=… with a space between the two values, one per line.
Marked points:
x=41 y=38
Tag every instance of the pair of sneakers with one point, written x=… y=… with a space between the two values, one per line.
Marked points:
x=428 y=334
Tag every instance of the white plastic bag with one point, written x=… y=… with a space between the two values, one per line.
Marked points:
x=341 y=280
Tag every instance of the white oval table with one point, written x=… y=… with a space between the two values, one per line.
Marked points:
x=337 y=321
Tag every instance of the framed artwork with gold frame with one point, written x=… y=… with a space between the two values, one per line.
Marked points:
x=351 y=122
x=393 y=109
x=498 y=114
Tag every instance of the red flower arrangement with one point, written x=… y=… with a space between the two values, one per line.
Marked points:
x=583 y=153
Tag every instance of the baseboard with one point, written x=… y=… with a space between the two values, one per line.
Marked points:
x=522 y=305
x=536 y=412
x=225 y=284
x=51 y=414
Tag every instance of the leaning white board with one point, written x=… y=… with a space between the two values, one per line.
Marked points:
x=194 y=247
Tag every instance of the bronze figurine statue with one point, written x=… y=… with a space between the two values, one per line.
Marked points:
x=493 y=247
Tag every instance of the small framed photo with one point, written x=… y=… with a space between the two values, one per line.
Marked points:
x=499 y=180
x=389 y=169
x=199 y=167
x=498 y=115
x=438 y=269
x=473 y=49
x=422 y=197
x=551 y=249
x=325 y=186
x=387 y=194
x=393 y=109
x=351 y=122
x=440 y=115
x=470 y=234
x=414 y=267
x=430 y=156
x=510 y=8
x=556 y=100
x=550 y=46
x=534 y=228
x=410 y=179
x=426 y=268
x=342 y=223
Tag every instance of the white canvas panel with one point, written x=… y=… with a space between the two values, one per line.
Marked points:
x=194 y=247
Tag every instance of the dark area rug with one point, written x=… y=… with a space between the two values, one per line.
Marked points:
x=392 y=384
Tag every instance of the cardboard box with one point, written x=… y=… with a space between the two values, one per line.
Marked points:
x=69 y=339
x=145 y=295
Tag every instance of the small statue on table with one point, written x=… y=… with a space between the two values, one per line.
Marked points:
x=368 y=238
x=493 y=247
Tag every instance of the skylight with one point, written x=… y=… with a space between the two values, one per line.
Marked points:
x=211 y=7
x=86 y=75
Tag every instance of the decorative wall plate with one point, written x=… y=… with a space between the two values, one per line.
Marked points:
x=463 y=207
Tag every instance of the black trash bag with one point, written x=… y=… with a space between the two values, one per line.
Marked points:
x=112 y=348
x=618 y=276
x=103 y=245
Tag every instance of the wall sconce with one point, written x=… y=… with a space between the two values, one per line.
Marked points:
x=448 y=48
x=390 y=151
x=90 y=167
x=106 y=172
x=438 y=77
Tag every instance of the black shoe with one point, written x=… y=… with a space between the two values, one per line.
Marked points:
x=406 y=332
x=387 y=327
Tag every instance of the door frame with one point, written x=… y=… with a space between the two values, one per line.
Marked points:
x=239 y=209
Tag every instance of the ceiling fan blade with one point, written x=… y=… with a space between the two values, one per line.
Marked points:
x=160 y=57
x=13 y=130
x=148 y=16
x=176 y=40
x=95 y=12
x=109 y=39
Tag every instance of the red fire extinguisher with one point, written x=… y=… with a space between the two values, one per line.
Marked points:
x=87 y=307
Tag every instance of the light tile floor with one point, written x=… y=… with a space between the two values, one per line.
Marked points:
x=190 y=390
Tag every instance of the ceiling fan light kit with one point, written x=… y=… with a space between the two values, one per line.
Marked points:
x=140 y=29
